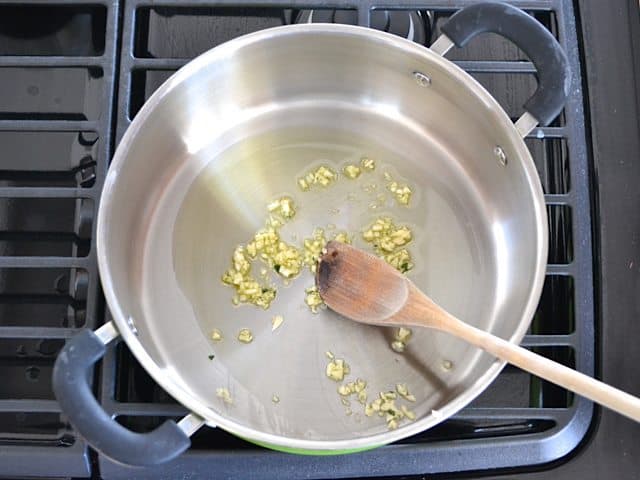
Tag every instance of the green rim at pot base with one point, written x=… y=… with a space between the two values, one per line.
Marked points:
x=302 y=451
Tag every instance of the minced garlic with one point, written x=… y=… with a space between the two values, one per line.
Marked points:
x=401 y=192
x=345 y=390
x=224 y=394
x=337 y=369
x=401 y=338
x=276 y=322
x=403 y=334
x=368 y=164
x=403 y=391
x=385 y=403
x=248 y=289
x=312 y=249
x=283 y=206
x=313 y=299
x=387 y=240
x=322 y=176
x=407 y=413
x=282 y=257
x=216 y=335
x=351 y=171
x=385 y=406
x=303 y=184
x=385 y=236
x=353 y=387
x=245 y=336
x=342 y=237
x=400 y=260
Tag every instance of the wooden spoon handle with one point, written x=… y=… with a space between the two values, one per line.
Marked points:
x=568 y=378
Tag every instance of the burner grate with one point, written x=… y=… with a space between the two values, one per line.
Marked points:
x=520 y=420
x=57 y=72
x=61 y=115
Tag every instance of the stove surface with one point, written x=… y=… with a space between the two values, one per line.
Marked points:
x=74 y=76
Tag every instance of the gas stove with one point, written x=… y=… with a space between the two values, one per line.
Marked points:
x=74 y=75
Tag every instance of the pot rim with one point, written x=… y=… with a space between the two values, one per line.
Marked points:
x=211 y=417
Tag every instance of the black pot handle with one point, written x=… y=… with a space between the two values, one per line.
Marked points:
x=71 y=387
x=544 y=51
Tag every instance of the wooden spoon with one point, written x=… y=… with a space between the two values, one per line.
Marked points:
x=366 y=289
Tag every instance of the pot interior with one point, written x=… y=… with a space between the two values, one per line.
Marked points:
x=194 y=179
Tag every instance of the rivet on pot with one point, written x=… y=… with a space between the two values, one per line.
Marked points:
x=502 y=157
x=132 y=325
x=422 y=79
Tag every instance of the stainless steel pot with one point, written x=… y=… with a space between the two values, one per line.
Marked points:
x=233 y=129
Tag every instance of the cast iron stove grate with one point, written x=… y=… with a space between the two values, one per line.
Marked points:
x=50 y=180
x=57 y=73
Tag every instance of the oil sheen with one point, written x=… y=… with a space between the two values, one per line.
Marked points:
x=227 y=203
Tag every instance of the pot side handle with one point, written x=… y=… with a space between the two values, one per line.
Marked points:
x=544 y=51
x=71 y=386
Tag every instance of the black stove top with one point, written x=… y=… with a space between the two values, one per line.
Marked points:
x=72 y=77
